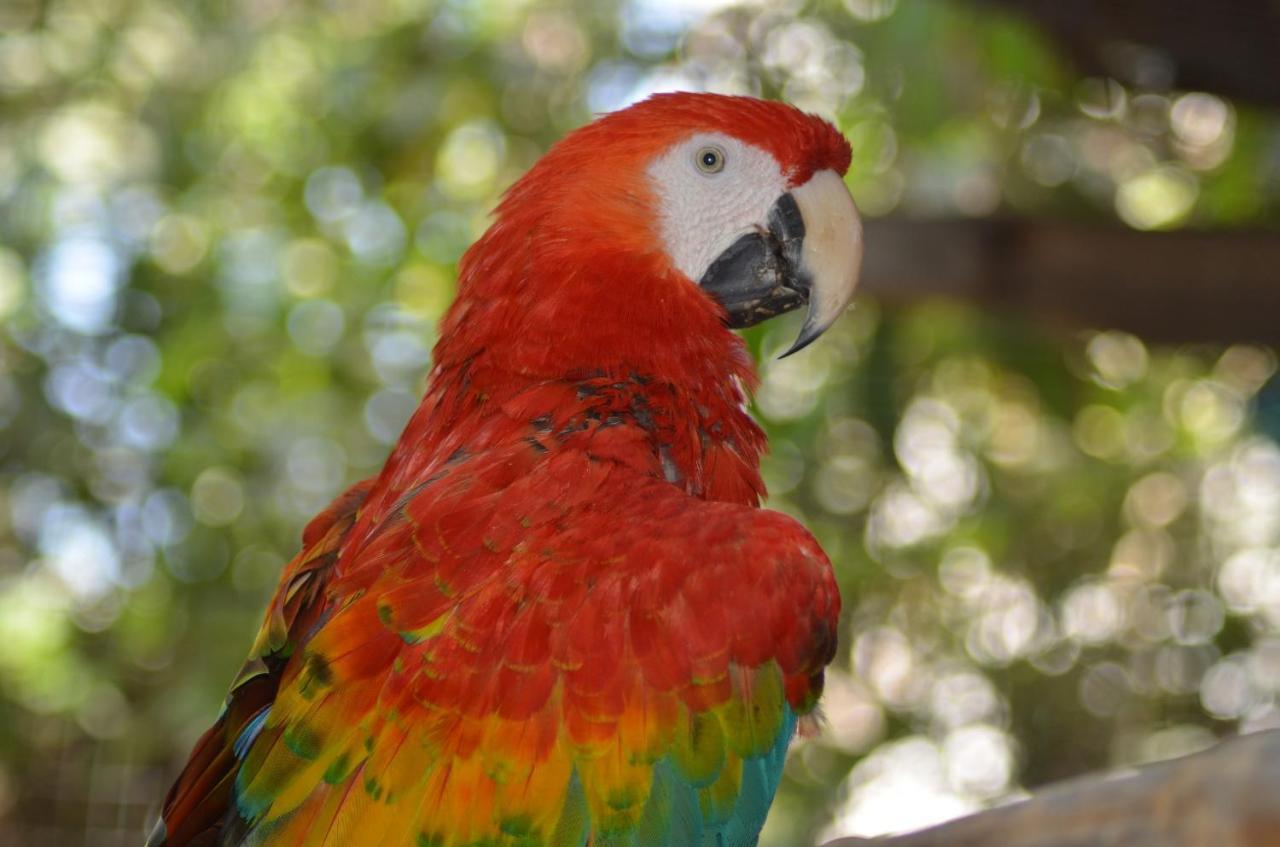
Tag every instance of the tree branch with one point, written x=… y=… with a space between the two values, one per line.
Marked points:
x=1183 y=286
x=1228 y=796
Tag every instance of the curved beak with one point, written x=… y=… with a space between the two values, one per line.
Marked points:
x=809 y=254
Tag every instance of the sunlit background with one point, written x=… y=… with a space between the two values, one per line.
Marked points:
x=228 y=231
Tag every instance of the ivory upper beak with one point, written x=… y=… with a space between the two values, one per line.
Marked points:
x=831 y=255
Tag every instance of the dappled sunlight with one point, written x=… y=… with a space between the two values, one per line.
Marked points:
x=1118 y=545
x=227 y=240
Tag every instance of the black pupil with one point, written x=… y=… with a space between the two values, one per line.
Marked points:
x=709 y=159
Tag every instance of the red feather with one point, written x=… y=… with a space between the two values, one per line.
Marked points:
x=562 y=568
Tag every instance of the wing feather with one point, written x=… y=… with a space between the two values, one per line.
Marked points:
x=533 y=650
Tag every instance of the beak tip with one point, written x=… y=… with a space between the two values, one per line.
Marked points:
x=808 y=334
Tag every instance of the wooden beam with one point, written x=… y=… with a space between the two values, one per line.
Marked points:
x=1181 y=286
x=1228 y=796
x=1226 y=46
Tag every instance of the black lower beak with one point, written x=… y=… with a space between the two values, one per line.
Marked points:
x=759 y=275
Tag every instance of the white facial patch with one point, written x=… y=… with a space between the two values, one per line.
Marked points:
x=703 y=212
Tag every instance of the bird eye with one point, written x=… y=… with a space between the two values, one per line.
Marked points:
x=710 y=160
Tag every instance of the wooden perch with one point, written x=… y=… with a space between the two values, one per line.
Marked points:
x=1228 y=796
x=1181 y=286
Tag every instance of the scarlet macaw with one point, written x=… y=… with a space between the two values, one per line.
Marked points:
x=558 y=615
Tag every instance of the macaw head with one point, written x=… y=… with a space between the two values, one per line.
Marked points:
x=637 y=240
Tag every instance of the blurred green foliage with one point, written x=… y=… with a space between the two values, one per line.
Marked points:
x=227 y=232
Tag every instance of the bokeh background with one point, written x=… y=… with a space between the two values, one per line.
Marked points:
x=228 y=231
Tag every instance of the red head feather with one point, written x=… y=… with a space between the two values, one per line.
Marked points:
x=572 y=276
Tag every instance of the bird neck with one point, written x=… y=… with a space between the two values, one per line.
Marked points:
x=551 y=344
x=693 y=432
